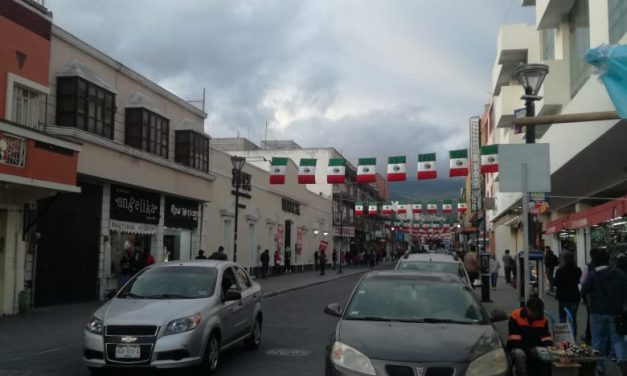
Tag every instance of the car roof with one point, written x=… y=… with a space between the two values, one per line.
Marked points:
x=429 y=257
x=421 y=276
x=216 y=264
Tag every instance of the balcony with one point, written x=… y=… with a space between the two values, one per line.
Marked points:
x=516 y=44
x=550 y=13
x=555 y=91
x=505 y=104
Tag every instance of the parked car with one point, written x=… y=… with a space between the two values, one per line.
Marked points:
x=176 y=314
x=407 y=323
x=434 y=262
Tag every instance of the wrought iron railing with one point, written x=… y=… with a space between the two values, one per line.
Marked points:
x=12 y=150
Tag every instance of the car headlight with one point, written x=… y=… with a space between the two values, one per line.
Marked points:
x=184 y=324
x=347 y=357
x=491 y=363
x=94 y=326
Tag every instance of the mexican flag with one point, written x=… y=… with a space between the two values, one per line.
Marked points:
x=278 y=166
x=416 y=208
x=397 y=169
x=458 y=162
x=373 y=209
x=401 y=208
x=337 y=171
x=359 y=208
x=462 y=206
x=432 y=207
x=307 y=171
x=426 y=166
x=366 y=172
x=447 y=206
x=489 y=159
x=387 y=208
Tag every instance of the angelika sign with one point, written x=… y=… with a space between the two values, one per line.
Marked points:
x=181 y=213
x=134 y=205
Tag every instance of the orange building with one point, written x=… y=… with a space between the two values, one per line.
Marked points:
x=33 y=164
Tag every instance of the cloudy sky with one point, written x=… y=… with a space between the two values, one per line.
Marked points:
x=371 y=78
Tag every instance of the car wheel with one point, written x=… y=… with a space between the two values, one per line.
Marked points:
x=253 y=342
x=212 y=355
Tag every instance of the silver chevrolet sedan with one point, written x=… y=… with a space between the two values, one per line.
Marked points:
x=177 y=314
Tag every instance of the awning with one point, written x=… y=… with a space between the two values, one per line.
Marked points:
x=589 y=217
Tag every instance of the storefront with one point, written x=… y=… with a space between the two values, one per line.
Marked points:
x=181 y=223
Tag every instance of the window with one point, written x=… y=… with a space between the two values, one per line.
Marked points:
x=618 y=19
x=25 y=106
x=192 y=149
x=579 y=29
x=548 y=44
x=84 y=105
x=229 y=281
x=244 y=281
x=147 y=131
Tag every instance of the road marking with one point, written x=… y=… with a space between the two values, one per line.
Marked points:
x=288 y=352
x=55 y=349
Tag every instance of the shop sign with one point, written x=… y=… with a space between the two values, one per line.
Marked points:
x=344 y=231
x=134 y=205
x=132 y=227
x=323 y=245
x=290 y=206
x=181 y=213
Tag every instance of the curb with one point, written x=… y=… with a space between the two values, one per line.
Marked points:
x=317 y=283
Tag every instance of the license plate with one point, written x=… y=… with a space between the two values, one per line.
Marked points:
x=127 y=352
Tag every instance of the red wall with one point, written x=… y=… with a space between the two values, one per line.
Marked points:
x=28 y=32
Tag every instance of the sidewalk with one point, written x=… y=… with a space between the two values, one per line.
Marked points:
x=506 y=298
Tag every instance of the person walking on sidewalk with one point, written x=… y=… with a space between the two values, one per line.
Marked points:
x=472 y=265
x=605 y=290
x=277 y=262
x=589 y=267
x=528 y=328
x=265 y=263
x=550 y=263
x=287 y=259
x=495 y=265
x=323 y=261
x=219 y=255
x=334 y=258
x=508 y=265
x=316 y=260
x=566 y=281
x=201 y=255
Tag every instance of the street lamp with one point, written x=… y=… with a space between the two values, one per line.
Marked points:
x=238 y=164
x=530 y=77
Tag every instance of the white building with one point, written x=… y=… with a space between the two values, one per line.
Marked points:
x=587 y=158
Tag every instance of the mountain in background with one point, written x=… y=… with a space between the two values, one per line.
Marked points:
x=426 y=190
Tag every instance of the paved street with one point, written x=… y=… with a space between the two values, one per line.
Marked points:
x=48 y=342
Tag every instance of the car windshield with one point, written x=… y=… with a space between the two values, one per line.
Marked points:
x=175 y=282
x=414 y=300
x=430 y=266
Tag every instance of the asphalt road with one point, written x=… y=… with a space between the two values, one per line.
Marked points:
x=292 y=321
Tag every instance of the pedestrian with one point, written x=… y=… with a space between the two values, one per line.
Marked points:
x=316 y=257
x=323 y=261
x=472 y=265
x=265 y=262
x=201 y=255
x=495 y=265
x=550 y=263
x=147 y=259
x=566 y=281
x=126 y=266
x=219 y=255
x=605 y=290
x=137 y=264
x=508 y=265
x=287 y=260
x=589 y=267
x=334 y=258
x=277 y=262
x=528 y=329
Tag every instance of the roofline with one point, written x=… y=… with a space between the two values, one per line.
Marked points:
x=118 y=66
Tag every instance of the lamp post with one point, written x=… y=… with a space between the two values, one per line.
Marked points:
x=238 y=164
x=530 y=77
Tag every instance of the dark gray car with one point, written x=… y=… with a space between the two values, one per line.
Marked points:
x=176 y=314
x=414 y=324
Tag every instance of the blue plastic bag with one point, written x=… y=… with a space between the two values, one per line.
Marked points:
x=611 y=61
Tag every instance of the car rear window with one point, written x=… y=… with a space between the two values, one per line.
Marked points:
x=172 y=282
x=430 y=266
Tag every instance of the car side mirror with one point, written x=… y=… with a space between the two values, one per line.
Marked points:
x=333 y=309
x=110 y=294
x=231 y=295
x=497 y=315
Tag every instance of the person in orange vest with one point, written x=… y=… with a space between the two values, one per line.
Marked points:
x=528 y=329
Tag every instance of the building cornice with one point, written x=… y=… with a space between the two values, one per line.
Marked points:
x=37 y=135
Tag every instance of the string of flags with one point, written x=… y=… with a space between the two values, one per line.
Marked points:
x=387 y=208
x=396 y=167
